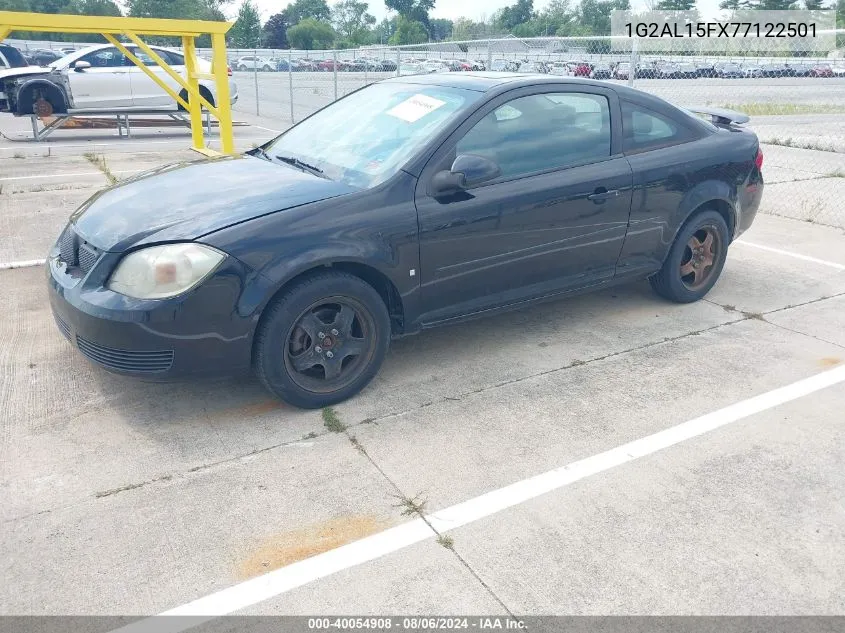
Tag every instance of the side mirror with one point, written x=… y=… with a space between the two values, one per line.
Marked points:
x=467 y=171
x=475 y=169
x=80 y=65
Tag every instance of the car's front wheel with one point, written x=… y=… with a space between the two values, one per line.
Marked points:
x=322 y=340
x=695 y=260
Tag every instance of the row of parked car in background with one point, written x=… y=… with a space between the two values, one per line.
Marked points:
x=657 y=69
x=653 y=69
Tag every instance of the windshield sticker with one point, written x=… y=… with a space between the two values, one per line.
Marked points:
x=416 y=107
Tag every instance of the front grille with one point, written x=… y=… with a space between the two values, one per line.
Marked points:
x=87 y=256
x=76 y=253
x=124 y=360
x=63 y=326
x=67 y=247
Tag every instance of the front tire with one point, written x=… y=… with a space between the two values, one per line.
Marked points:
x=695 y=260
x=322 y=340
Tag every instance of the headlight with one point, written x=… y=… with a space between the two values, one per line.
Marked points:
x=164 y=271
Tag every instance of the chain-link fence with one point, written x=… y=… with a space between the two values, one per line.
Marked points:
x=796 y=101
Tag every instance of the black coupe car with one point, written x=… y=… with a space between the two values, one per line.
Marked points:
x=414 y=202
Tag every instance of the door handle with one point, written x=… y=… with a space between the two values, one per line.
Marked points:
x=601 y=194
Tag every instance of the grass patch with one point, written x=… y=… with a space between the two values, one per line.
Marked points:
x=775 y=109
x=754 y=315
x=446 y=541
x=332 y=422
x=411 y=506
x=309 y=436
x=100 y=163
x=788 y=142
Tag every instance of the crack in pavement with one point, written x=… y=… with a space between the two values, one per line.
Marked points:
x=418 y=510
x=454 y=398
x=760 y=316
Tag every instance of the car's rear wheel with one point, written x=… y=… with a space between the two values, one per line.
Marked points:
x=242 y=68
x=322 y=341
x=695 y=260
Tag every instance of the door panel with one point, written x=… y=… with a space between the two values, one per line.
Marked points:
x=515 y=240
x=554 y=220
x=104 y=85
x=146 y=92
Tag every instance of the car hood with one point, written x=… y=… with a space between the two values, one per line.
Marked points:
x=23 y=71
x=185 y=201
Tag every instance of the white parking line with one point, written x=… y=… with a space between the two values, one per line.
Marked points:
x=805 y=258
x=27 y=263
x=85 y=173
x=383 y=543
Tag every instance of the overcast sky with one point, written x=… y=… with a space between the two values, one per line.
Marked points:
x=452 y=9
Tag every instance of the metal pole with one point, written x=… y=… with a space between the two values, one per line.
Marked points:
x=398 y=61
x=489 y=55
x=290 y=83
x=366 y=64
x=632 y=71
x=334 y=70
x=255 y=77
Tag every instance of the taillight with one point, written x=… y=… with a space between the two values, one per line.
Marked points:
x=758 y=160
x=229 y=70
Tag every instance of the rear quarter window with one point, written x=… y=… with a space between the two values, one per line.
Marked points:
x=644 y=129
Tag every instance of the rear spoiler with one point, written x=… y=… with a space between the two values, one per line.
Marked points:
x=720 y=116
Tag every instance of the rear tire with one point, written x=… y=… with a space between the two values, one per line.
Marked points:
x=695 y=260
x=322 y=340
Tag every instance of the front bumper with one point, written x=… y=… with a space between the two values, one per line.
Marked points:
x=200 y=332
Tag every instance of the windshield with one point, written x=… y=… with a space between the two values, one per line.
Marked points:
x=365 y=138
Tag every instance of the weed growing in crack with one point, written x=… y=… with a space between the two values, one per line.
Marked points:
x=446 y=541
x=411 y=506
x=332 y=422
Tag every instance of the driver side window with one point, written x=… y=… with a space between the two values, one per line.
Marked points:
x=105 y=58
x=542 y=132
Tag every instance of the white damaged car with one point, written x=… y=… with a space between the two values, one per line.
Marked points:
x=100 y=78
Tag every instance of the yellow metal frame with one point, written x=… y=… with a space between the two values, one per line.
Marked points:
x=114 y=27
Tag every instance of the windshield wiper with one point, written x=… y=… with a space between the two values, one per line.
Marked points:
x=292 y=160
x=260 y=151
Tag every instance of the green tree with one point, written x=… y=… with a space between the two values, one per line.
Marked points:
x=593 y=16
x=352 y=21
x=555 y=18
x=177 y=9
x=509 y=17
x=303 y=9
x=246 y=31
x=466 y=29
x=384 y=30
x=412 y=10
x=311 y=34
x=675 y=5
x=441 y=29
x=772 y=5
x=93 y=7
x=409 y=32
x=274 y=33
x=814 y=5
x=15 y=5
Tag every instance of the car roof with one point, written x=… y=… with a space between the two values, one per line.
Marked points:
x=493 y=81
x=500 y=82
